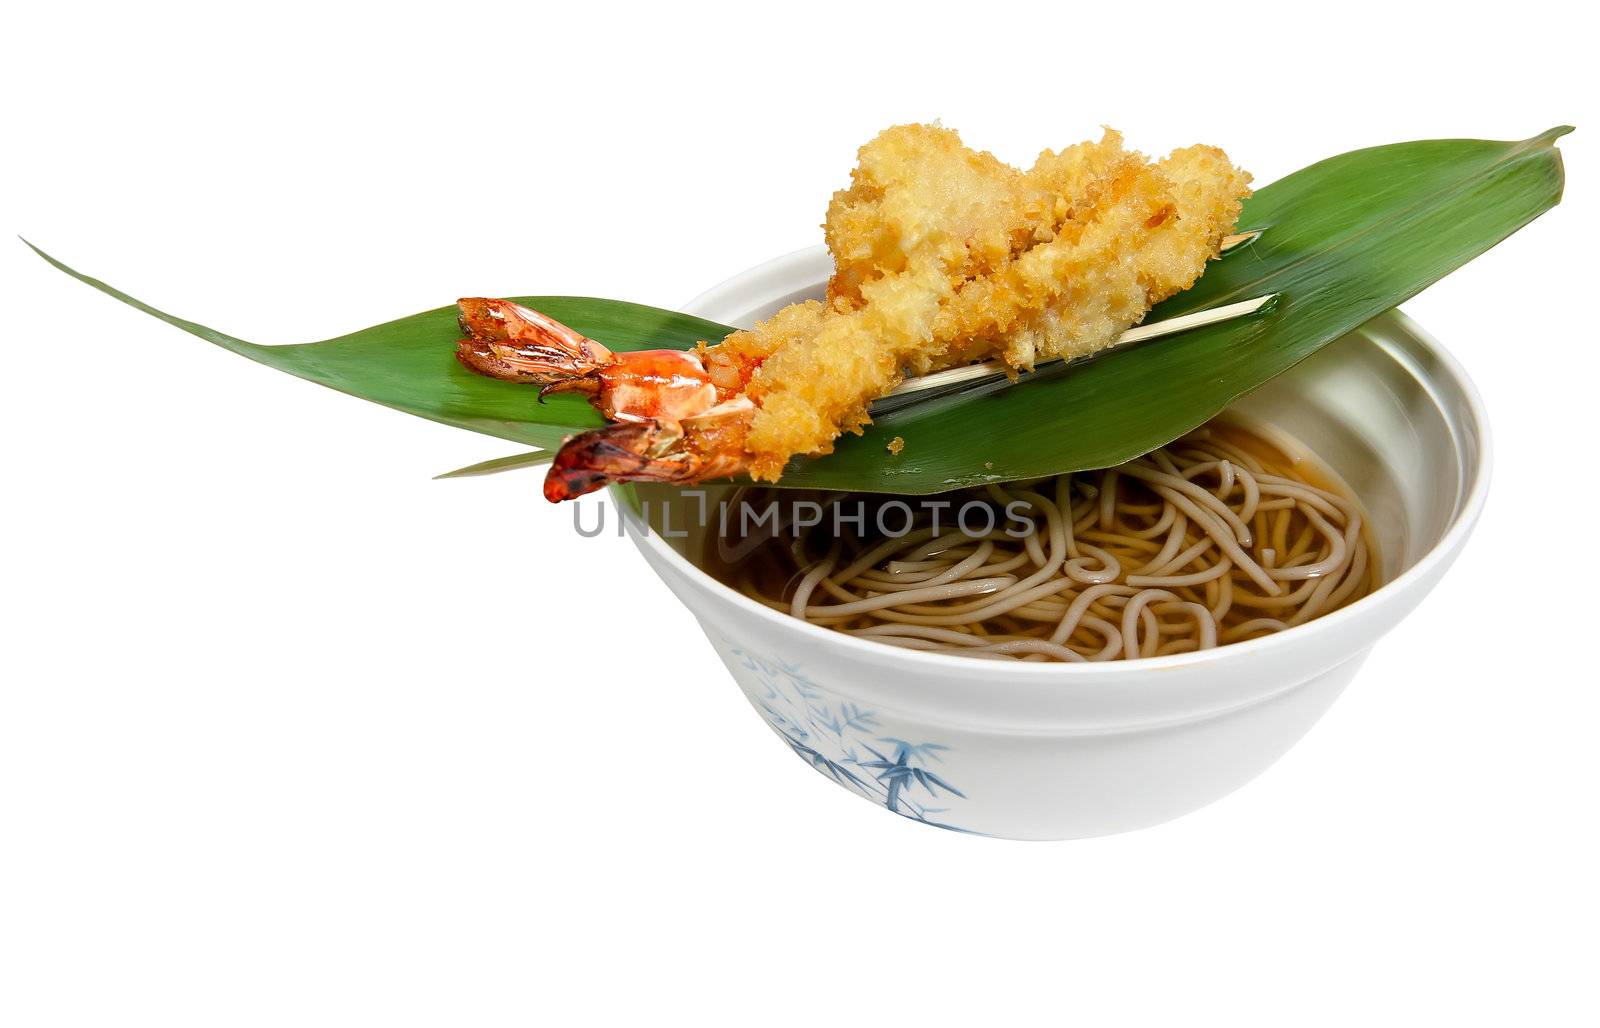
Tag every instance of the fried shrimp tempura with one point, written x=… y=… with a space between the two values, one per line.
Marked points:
x=944 y=256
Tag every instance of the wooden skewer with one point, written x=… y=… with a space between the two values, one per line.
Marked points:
x=1154 y=330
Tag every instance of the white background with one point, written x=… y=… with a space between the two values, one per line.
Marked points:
x=292 y=734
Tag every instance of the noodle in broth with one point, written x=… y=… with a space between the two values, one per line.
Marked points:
x=1222 y=536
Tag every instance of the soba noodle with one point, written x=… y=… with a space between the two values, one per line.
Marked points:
x=1222 y=536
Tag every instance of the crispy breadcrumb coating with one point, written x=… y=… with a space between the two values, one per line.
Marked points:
x=1141 y=233
x=917 y=191
x=944 y=255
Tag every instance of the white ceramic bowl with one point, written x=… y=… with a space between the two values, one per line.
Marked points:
x=1063 y=751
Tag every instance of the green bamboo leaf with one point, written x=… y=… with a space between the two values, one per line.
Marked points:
x=1346 y=239
x=533 y=459
x=410 y=364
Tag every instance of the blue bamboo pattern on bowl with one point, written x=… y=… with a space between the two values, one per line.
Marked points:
x=844 y=741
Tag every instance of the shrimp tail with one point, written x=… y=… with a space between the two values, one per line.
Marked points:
x=634 y=451
x=508 y=341
x=594 y=459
